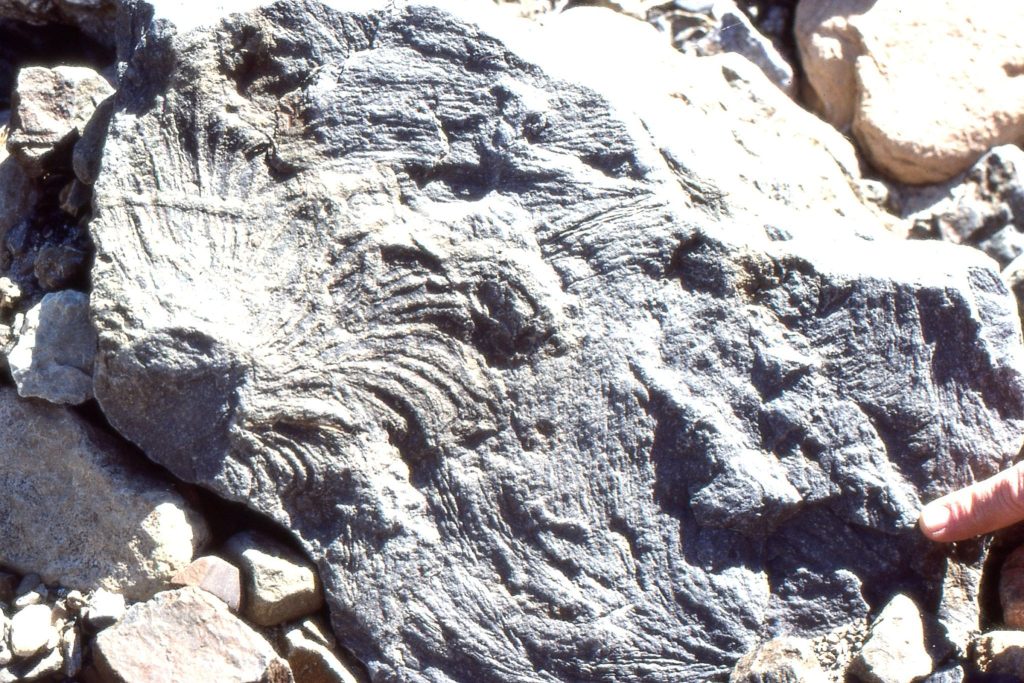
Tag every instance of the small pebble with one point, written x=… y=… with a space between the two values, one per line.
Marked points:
x=104 y=609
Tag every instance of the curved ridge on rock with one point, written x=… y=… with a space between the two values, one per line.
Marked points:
x=536 y=414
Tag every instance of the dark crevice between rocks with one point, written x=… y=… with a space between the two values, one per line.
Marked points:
x=24 y=44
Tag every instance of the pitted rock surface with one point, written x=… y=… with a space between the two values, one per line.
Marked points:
x=539 y=401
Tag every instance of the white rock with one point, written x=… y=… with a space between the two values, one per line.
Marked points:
x=31 y=630
x=104 y=609
x=279 y=584
x=53 y=357
x=312 y=661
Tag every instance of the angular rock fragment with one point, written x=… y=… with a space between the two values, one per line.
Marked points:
x=53 y=356
x=895 y=651
x=280 y=586
x=103 y=610
x=215 y=576
x=927 y=87
x=51 y=108
x=312 y=662
x=185 y=635
x=497 y=348
x=782 y=660
x=114 y=526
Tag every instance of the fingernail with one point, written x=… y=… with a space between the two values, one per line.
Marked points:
x=934 y=518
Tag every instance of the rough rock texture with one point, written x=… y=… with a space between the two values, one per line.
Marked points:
x=895 y=651
x=50 y=110
x=984 y=207
x=1000 y=652
x=74 y=508
x=279 y=585
x=53 y=356
x=541 y=399
x=928 y=87
x=782 y=660
x=313 y=662
x=185 y=635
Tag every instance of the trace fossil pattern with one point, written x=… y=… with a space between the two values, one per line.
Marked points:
x=460 y=327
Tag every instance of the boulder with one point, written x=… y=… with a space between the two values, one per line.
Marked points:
x=498 y=348
x=280 y=585
x=51 y=108
x=926 y=87
x=76 y=509
x=53 y=356
x=185 y=635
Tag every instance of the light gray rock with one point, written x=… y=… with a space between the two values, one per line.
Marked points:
x=30 y=630
x=185 y=635
x=103 y=609
x=895 y=651
x=280 y=586
x=71 y=651
x=781 y=660
x=77 y=510
x=525 y=383
x=50 y=110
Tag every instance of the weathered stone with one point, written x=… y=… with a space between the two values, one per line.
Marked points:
x=184 y=635
x=526 y=383
x=781 y=660
x=312 y=662
x=114 y=526
x=51 y=108
x=214 y=575
x=927 y=87
x=103 y=610
x=895 y=651
x=17 y=192
x=71 y=651
x=983 y=208
x=1000 y=652
x=280 y=585
x=30 y=630
x=953 y=674
x=37 y=669
x=959 y=610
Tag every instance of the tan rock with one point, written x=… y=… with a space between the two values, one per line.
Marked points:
x=280 y=585
x=895 y=650
x=778 y=661
x=50 y=109
x=926 y=87
x=185 y=635
x=312 y=661
x=214 y=575
x=1000 y=652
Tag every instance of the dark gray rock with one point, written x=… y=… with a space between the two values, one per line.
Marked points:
x=540 y=402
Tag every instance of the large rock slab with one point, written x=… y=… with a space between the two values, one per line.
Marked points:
x=926 y=87
x=541 y=400
x=185 y=635
x=75 y=509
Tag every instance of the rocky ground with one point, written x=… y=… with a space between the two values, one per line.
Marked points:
x=535 y=340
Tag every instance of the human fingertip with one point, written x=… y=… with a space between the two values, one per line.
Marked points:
x=934 y=520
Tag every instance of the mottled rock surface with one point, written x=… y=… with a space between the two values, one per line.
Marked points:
x=541 y=398
x=53 y=356
x=185 y=635
x=781 y=660
x=214 y=575
x=50 y=110
x=75 y=509
x=926 y=87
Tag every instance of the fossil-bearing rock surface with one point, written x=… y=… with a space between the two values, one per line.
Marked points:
x=541 y=403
